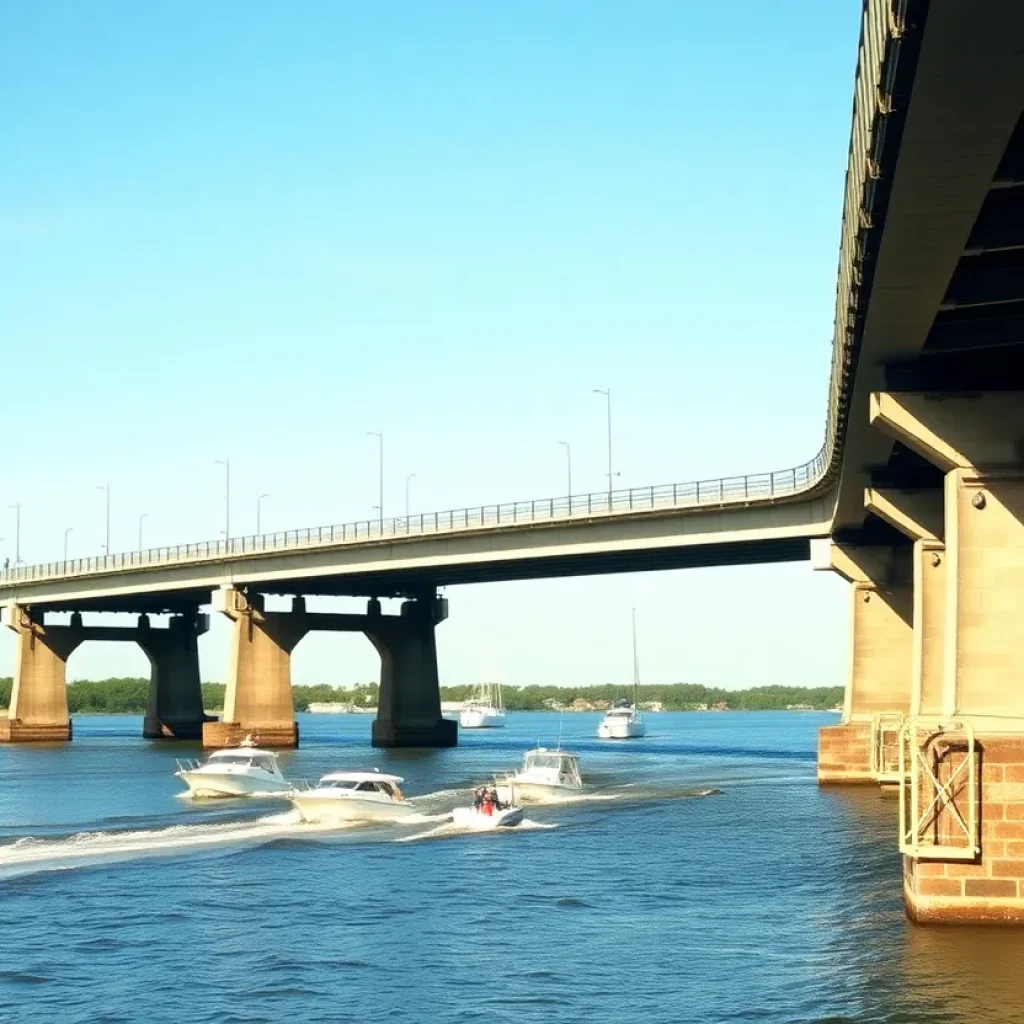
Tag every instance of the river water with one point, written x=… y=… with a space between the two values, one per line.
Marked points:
x=651 y=900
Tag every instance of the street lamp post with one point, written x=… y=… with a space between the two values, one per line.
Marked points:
x=145 y=515
x=259 y=502
x=608 y=398
x=106 y=488
x=379 y=434
x=568 y=471
x=226 y=463
x=407 y=479
x=17 y=532
x=67 y=532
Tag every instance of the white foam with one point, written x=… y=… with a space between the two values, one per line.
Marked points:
x=39 y=854
x=448 y=829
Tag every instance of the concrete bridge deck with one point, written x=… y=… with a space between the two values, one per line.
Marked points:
x=764 y=518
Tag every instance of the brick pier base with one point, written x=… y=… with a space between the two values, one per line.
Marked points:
x=14 y=731
x=989 y=889
x=844 y=754
x=230 y=734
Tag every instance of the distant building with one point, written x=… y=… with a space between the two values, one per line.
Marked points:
x=338 y=708
x=652 y=705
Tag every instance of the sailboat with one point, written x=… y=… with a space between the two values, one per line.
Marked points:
x=624 y=721
x=485 y=709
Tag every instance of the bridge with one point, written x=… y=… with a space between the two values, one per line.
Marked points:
x=916 y=497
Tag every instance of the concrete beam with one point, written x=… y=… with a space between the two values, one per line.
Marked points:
x=979 y=431
x=874 y=566
x=688 y=538
x=918 y=514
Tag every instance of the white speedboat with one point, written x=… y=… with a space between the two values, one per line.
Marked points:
x=352 y=796
x=624 y=721
x=482 y=821
x=485 y=709
x=244 y=770
x=545 y=774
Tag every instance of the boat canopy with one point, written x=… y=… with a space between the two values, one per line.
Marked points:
x=560 y=760
x=237 y=754
x=361 y=777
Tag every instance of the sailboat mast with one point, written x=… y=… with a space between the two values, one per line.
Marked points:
x=636 y=667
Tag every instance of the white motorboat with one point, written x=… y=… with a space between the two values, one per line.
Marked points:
x=489 y=810
x=482 y=821
x=624 y=721
x=621 y=723
x=545 y=774
x=352 y=796
x=244 y=770
x=485 y=709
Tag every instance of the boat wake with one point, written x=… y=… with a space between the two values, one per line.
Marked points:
x=447 y=829
x=31 y=854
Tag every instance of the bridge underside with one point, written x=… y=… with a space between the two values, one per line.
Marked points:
x=410 y=582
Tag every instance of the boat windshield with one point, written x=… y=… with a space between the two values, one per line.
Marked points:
x=244 y=760
x=556 y=762
x=339 y=783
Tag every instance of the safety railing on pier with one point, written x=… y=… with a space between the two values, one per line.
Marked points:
x=736 y=490
x=938 y=769
x=885 y=745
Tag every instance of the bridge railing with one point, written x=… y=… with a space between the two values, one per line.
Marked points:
x=735 y=490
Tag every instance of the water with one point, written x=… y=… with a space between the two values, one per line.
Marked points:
x=769 y=900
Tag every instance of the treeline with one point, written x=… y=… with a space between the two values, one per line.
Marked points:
x=128 y=696
x=672 y=696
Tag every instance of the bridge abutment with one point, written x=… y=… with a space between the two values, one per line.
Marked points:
x=878 y=679
x=258 y=694
x=39 y=701
x=175 y=708
x=409 y=706
x=963 y=837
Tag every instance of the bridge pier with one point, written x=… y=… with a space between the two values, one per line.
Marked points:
x=175 y=708
x=409 y=708
x=39 y=699
x=963 y=843
x=878 y=680
x=258 y=694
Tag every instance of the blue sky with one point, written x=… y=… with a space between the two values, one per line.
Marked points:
x=261 y=229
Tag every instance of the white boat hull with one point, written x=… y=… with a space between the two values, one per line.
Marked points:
x=325 y=810
x=477 y=821
x=620 y=730
x=482 y=719
x=203 y=783
x=535 y=792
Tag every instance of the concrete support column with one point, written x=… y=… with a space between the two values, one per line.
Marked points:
x=881 y=635
x=977 y=440
x=919 y=515
x=258 y=698
x=409 y=707
x=175 y=708
x=39 y=699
